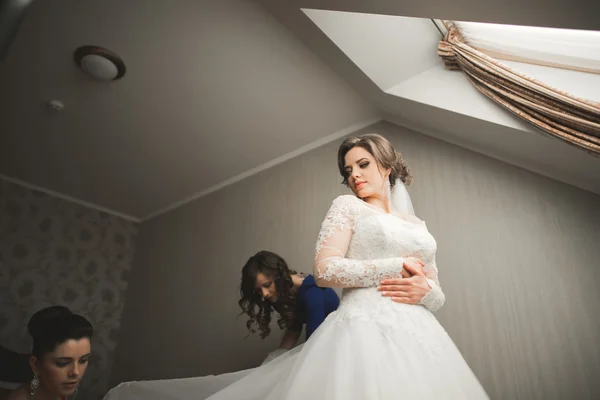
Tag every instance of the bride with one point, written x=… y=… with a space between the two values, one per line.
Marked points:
x=377 y=345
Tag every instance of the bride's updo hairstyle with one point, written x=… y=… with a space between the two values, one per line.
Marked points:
x=382 y=150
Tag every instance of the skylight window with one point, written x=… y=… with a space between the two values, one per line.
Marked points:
x=562 y=48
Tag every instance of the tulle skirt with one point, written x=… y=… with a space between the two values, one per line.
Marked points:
x=377 y=352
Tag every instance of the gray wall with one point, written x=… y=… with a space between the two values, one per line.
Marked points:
x=518 y=258
x=56 y=252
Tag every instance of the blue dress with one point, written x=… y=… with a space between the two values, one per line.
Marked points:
x=313 y=305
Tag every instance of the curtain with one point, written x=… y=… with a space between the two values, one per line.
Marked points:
x=559 y=48
x=571 y=119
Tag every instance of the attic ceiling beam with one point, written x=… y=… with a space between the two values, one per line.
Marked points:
x=12 y=13
x=568 y=14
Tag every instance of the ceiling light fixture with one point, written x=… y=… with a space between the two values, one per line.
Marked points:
x=100 y=63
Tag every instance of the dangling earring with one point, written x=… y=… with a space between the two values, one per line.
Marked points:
x=76 y=391
x=388 y=186
x=35 y=383
x=388 y=193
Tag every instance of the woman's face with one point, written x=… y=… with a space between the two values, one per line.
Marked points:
x=365 y=178
x=265 y=286
x=61 y=371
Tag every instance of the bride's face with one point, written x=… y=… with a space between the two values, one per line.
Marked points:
x=365 y=177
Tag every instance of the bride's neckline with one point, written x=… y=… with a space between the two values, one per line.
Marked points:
x=411 y=219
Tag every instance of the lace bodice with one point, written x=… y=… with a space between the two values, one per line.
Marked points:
x=360 y=245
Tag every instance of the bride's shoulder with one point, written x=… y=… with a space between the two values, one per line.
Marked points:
x=348 y=203
x=346 y=199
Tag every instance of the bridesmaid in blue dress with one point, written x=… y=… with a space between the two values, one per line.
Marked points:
x=269 y=285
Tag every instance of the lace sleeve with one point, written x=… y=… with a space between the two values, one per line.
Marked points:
x=435 y=298
x=331 y=268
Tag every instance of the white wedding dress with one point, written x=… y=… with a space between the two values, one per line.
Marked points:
x=371 y=348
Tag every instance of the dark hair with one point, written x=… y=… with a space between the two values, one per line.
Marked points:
x=383 y=152
x=52 y=326
x=274 y=267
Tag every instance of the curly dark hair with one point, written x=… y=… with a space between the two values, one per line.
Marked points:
x=274 y=267
x=383 y=152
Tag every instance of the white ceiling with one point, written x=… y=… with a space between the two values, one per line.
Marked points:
x=216 y=90
x=570 y=14
x=212 y=90
x=387 y=48
x=432 y=99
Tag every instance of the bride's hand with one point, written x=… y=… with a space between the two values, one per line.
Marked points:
x=411 y=265
x=411 y=288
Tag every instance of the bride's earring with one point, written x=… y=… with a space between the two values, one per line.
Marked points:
x=388 y=193
x=35 y=383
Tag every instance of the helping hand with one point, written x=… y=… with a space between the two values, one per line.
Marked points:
x=409 y=289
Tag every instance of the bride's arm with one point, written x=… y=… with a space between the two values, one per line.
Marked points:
x=423 y=287
x=435 y=298
x=331 y=268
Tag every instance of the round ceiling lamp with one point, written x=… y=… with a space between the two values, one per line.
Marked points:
x=100 y=63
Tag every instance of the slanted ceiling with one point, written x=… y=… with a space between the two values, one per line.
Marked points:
x=213 y=89
x=366 y=42
x=216 y=91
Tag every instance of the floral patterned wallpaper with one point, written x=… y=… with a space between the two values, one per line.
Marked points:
x=56 y=252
